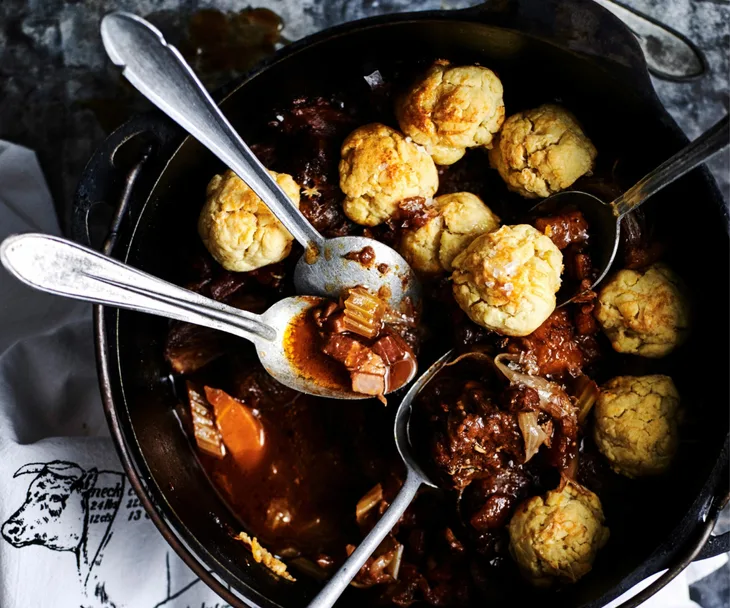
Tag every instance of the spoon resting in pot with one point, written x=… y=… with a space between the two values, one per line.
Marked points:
x=159 y=72
x=604 y=219
x=62 y=267
x=415 y=478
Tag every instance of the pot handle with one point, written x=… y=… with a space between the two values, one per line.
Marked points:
x=715 y=545
x=669 y=55
x=581 y=26
x=105 y=190
x=703 y=545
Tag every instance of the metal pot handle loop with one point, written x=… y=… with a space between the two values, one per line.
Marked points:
x=600 y=34
x=109 y=177
x=702 y=545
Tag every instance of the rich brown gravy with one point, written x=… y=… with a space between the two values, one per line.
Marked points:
x=302 y=346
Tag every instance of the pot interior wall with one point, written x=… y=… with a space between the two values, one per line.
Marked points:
x=621 y=121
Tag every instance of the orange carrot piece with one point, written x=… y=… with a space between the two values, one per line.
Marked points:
x=243 y=433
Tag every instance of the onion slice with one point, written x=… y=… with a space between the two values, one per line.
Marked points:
x=475 y=354
x=532 y=433
x=368 y=502
x=553 y=399
x=586 y=392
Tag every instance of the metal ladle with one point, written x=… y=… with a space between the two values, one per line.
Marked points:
x=604 y=219
x=415 y=477
x=158 y=71
x=62 y=267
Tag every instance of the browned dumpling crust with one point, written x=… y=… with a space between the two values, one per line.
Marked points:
x=644 y=313
x=237 y=227
x=452 y=109
x=506 y=280
x=379 y=167
x=458 y=219
x=542 y=151
x=555 y=538
x=637 y=424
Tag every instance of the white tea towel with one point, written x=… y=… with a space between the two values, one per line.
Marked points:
x=72 y=531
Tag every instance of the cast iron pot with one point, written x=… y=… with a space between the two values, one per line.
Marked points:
x=543 y=50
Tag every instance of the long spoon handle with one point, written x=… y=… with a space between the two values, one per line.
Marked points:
x=62 y=267
x=158 y=71
x=696 y=153
x=332 y=591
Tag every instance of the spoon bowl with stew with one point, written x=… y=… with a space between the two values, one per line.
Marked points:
x=328 y=266
x=62 y=267
x=415 y=478
x=604 y=219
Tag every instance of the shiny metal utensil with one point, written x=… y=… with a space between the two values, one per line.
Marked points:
x=605 y=218
x=669 y=55
x=159 y=72
x=415 y=478
x=62 y=267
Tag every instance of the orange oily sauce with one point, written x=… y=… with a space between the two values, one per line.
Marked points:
x=302 y=348
x=242 y=432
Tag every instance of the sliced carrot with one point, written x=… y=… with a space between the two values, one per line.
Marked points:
x=242 y=432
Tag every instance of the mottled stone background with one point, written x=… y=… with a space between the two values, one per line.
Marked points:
x=60 y=95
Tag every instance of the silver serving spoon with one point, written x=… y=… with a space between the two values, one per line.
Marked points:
x=415 y=477
x=605 y=218
x=62 y=267
x=158 y=71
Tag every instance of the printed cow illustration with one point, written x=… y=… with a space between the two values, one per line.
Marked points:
x=52 y=514
x=68 y=509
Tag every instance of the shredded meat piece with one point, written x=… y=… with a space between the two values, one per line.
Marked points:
x=518 y=398
x=474 y=437
x=564 y=229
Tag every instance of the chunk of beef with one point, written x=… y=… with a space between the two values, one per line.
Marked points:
x=489 y=502
x=578 y=264
x=379 y=567
x=551 y=348
x=564 y=229
x=330 y=318
x=367 y=370
x=318 y=116
x=190 y=347
x=399 y=358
